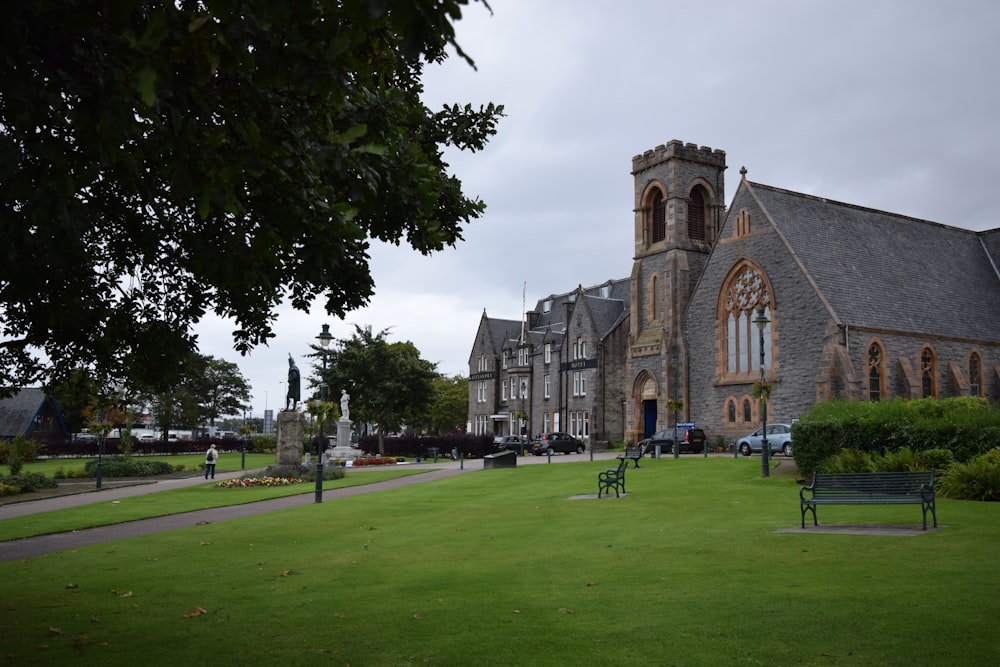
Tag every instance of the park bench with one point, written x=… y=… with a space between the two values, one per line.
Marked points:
x=612 y=479
x=869 y=488
x=632 y=454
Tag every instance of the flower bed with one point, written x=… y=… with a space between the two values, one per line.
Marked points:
x=375 y=461
x=250 y=482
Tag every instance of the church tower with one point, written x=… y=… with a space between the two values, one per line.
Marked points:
x=679 y=212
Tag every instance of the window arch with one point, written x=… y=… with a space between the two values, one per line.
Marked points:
x=876 y=370
x=743 y=292
x=747 y=413
x=657 y=216
x=928 y=372
x=697 y=214
x=731 y=410
x=975 y=375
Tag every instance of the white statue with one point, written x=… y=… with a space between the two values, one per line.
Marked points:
x=345 y=411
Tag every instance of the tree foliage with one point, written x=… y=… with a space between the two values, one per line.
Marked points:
x=388 y=383
x=159 y=161
x=449 y=410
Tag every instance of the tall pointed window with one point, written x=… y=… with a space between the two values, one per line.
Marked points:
x=742 y=294
x=696 y=214
x=928 y=373
x=876 y=369
x=975 y=375
x=658 y=217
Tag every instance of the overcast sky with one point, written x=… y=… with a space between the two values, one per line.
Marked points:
x=892 y=105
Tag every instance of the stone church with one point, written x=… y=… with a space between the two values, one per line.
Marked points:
x=831 y=299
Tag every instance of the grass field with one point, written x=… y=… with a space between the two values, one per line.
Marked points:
x=502 y=567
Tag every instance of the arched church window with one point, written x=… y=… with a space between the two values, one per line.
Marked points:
x=928 y=373
x=658 y=213
x=746 y=410
x=743 y=293
x=731 y=411
x=696 y=214
x=975 y=375
x=876 y=366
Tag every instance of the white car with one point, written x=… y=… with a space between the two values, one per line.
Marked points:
x=779 y=440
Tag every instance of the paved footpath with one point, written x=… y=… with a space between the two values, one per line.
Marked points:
x=46 y=544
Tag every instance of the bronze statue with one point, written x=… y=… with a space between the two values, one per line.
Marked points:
x=292 y=396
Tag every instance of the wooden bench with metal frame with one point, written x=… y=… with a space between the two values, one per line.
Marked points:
x=870 y=488
x=632 y=454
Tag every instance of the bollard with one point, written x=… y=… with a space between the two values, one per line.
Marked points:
x=461 y=461
x=548 y=453
x=657 y=451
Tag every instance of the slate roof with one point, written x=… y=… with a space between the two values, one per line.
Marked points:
x=891 y=272
x=607 y=310
x=17 y=413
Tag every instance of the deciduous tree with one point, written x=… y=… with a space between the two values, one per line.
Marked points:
x=389 y=384
x=162 y=160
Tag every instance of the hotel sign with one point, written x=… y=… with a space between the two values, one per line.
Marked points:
x=579 y=365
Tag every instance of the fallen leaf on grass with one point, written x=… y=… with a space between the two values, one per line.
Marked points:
x=197 y=612
x=72 y=585
x=287 y=573
x=417 y=616
x=516 y=611
x=122 y=594
x=54 y=632
x=564 y=610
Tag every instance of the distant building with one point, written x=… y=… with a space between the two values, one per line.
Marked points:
x=859 y=303
x=34 y=414
x=560 y=369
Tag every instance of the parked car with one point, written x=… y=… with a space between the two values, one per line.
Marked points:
x=691 y=439
x=550 y=443
x=779 y=440
x=513 y=443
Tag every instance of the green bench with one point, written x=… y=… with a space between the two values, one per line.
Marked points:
x=632 y=454
x=869 y=488
x=612 y=479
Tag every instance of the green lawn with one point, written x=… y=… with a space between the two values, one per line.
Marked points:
x=501 y=567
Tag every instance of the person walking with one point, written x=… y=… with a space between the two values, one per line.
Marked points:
x=211 y=456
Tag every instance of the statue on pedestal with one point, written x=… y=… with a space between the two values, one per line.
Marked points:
x=345 y=410
x=292 y=396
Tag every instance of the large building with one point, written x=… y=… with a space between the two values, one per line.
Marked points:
x=849 y=302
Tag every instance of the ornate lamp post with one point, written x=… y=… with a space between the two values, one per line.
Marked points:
x=324 y=339
x=675 y=364
x=765 y=450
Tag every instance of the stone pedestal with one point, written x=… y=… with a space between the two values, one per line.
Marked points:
x=291 y=430
x=343 y=451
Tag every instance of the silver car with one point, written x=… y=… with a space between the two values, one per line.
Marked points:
x=779 y=440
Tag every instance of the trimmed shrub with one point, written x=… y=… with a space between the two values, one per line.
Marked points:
x=8 y=490
x=28 y=481
x=119 y=466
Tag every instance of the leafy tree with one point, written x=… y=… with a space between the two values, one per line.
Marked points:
x=159 y=161
x=449 y=411
x=223 y=389
x=389 y=384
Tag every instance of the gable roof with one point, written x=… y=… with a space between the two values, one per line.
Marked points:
x=18 y=412
x=890 y=272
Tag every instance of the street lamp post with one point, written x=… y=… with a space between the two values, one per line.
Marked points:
x=675 y=364
x=765 y=450
x=324 y=339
